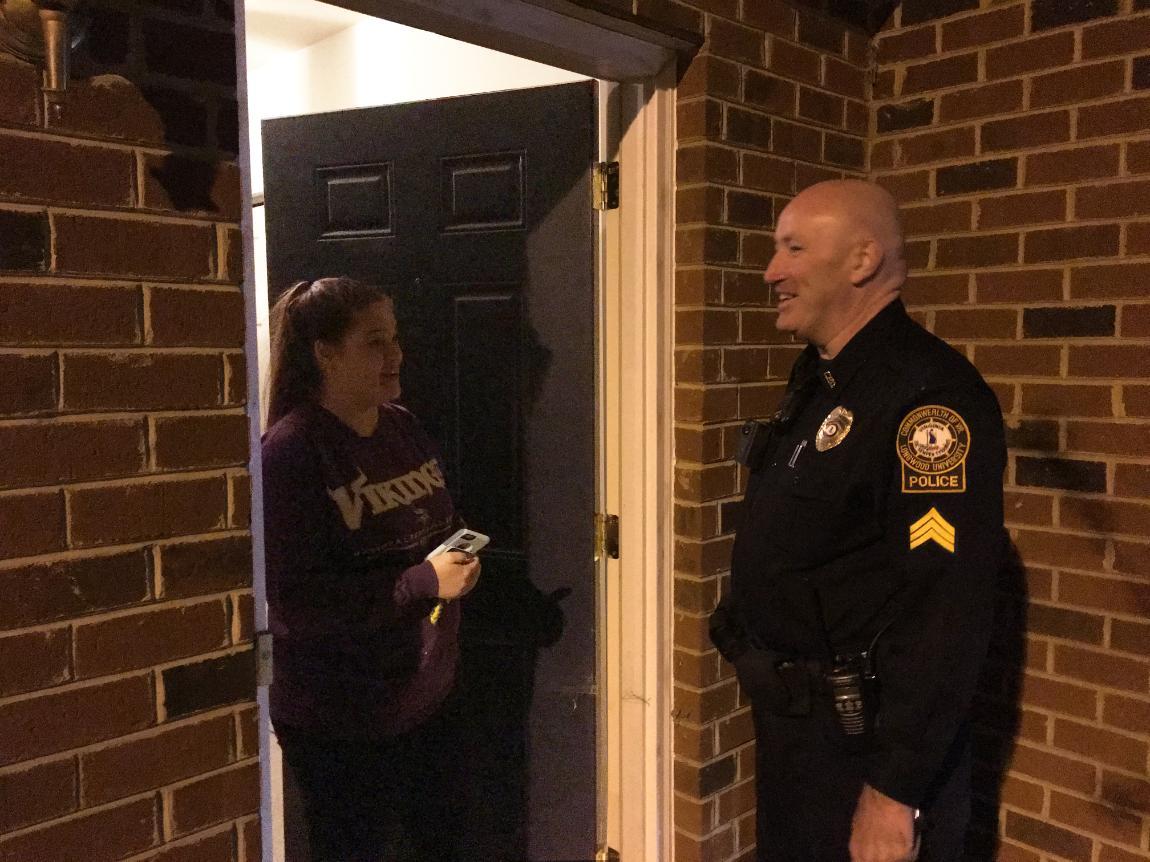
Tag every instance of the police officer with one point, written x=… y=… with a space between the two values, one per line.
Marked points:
x=864 y=566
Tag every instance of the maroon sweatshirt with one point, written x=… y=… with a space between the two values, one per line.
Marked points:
x=348 y=521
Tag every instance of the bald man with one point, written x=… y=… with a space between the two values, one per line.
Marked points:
x=864 y=566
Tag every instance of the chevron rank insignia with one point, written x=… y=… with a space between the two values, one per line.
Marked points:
x=932 y=527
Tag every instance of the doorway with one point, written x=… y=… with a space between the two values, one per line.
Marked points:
x=631 y=619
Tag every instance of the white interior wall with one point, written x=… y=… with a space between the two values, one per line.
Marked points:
x=369 y=63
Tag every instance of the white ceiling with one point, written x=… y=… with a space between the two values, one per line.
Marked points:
x=279 y=26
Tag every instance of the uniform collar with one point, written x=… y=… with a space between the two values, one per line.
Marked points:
x=870 y=341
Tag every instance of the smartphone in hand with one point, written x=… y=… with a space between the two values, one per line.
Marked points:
x=468 y=541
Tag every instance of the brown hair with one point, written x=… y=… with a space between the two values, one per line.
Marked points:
x=322 y=310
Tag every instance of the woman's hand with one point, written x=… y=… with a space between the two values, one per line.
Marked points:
x=457 y=573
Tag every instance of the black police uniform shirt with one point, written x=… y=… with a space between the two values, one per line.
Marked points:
x=880 y=505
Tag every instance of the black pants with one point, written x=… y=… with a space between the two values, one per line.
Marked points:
x=379 y=800
x=807 y=788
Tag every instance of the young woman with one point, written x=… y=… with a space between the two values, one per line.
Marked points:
x=354 y=499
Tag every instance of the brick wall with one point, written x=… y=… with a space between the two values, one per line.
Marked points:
x=1017 y=134
x=127 y=729
x=775 y=101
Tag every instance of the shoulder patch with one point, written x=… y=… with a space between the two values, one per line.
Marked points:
x=933 y=442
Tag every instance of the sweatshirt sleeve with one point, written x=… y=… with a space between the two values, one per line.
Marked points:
x=313 y=589
x=945 y=529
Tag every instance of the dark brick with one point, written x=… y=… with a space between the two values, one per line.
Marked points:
x=228 y=126
x=1047 y=14
x=777 y=95
x=715 y=776
x=189 y=52
x=1063 y=623
x=821 y=32
x=208 y=684
x=751 y=129
x=173 y=182
x=917 y=11
x=977 y=176
x=39 y=594
x=908 y=45
x=19 y=91
x=1142 y=73
x=939 y=74
x=1068 y=322
x=1086 y=476
x=27 y=384
x=34 y=795
x=1060 y=842
x=108 y=37
x=30 y=524
x=798 y=142
x=36 y=660
x=1070 y=243
x=55 y=314
x=750 y=210
x=848 y=152
x=820 y=107
x=184 y=117
x=26 y=242
x=1038 y=434
x=908 y=115
x=201 y=568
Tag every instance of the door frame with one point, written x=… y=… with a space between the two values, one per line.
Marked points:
x=635 y=268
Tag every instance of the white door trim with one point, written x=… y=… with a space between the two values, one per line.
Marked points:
x=636 y=427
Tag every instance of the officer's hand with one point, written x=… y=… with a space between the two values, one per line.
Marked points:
x=882 y=829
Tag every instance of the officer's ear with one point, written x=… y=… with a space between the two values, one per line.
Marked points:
x=867 y=261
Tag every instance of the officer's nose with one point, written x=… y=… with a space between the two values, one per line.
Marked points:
x=774 y=272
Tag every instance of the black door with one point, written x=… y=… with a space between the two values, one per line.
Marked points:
x=476 y=212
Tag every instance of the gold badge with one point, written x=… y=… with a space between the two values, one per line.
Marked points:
x=834 y=429
x=932 y=527
x=933 y=442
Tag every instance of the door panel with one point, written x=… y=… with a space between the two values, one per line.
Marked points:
x=476 y=213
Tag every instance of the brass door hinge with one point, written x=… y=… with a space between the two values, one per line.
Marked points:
x=607 y=854
x=606 y=536
x=605 y=183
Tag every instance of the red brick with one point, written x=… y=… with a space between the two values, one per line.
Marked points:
x=1136 y=401
x=109 y=246
x=19 y=91
x=1029 y=55
x=54 y=453
x=1019 y=286
x=1126 y=713
x=744 y=288
x=217 y=847
x=821 y=107
x=1082 y=83
x=1100 y=745
x=141 y=381
x=775 y=18
x=795 y=141
x=152 y=510
x=27 y=384
x=175 y=753
x=773 y=94
x=711 y=76
x=912 y=44
x=1067 y=166
x=1138 y=157
x=240 y=495
x=698 y=285
x=207 y=318
x=112 y=833
x=1105 y=594
x=1136 y=320
x=1115 y=854
x=982 y=101
x=795 y=62
x=150 y=637
x=978 y=250
x=906 y=187
x=68 y=314
x=219 y=797
x=939 y=74
x=1025 y=132
x=706 y=163
x=1138 y=238
x=1124 y=36
x=230 y=254
x=248 y=734
x=1022 y=794
x=1110 y=360
x=43 y=792
x=1054 y=769
x=1023 y=359
x=1061 y=842
x=706 y=404
x=1126 y=792
x=1022 y=209
x=36 y=660
x=734 y=41
x=1128 y=116
x=922 y=290
x=250 y=841
x=1059 y=549
x=31 y=524
x=675 y=14
x=1063 y=400
x=699 y=118
x=706 y=326
x=59 y=721
x=935 y=146
x=235 y=380
x=1101 y=668
x=1029 y=509
x=1132 y=480
x=1108 y=438
x=64 y=172
x=981 y=30
x=1100 y=240
x=1059 y=696
x=201 y=441
x=846 y=80
x=110 y=106
x=1113 y=200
